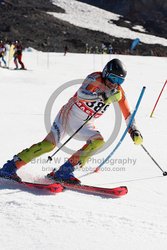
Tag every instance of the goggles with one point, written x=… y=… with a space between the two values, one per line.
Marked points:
x=115 y=79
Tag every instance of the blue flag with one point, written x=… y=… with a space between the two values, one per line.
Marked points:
x=134 y=43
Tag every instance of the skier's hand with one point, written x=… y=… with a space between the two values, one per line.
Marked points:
x=136 y=136
x=111 y=96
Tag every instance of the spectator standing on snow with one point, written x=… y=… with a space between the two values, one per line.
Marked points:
x=18 y=55
x=65 y=50
x=2 y=53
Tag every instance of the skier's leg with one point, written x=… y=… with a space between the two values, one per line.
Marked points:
x=0 y=58
x=33 y=152
x=4 y=61
x=94 y=142
x=20 y=61
x=48 y=144
x=90 y=148
x=10 y=168
x=15 y=62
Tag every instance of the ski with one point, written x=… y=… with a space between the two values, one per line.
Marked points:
x=4 y=67
x=53 y=187
x=18 y=69
x=59 y=187
x=115 y=192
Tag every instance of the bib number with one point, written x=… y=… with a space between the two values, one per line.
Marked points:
x=96 y=106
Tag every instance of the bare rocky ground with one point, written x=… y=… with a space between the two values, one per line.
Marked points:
x=28 y=21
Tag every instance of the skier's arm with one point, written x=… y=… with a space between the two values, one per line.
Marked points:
x=88 y=91
x=111 y=96
x=84 y=94
x=106 y=97
x=133 y=130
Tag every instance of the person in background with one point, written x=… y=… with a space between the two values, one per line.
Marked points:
x=65 y=50
x=2 y=53
x=87 y=48
x=18 y=55
x=110 y=49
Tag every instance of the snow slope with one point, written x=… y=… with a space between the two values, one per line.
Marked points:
x=34 y=220
x=93 y=18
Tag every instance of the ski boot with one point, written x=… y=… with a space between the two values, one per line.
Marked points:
x=64 y=174
x=9 y=171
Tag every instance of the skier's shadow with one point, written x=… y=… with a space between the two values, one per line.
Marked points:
x=14 y=187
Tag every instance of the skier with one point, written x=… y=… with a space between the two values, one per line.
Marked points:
x=18 y=55
x=65 y=50
x=2 y=53
x=110 y=49
x=96 y=93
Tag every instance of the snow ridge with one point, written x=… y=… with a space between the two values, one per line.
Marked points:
x=93 y=18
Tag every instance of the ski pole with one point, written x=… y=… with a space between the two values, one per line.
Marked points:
x=164 y=173
x=158 y=99
x=89 y=118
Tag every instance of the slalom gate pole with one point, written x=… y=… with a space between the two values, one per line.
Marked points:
x=90 y=117
x=164 y=173
x=125 y=132
x=158 y=99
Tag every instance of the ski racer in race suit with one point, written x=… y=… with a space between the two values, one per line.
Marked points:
x=97 y=92
x=18 y=55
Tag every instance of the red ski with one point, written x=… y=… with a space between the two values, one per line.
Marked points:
x=108 y=192
x=53 y=187
x=59 y=187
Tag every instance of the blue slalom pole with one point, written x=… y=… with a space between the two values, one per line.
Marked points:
x=125 y=132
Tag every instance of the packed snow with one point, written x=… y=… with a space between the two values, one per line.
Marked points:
x=93 y=18
x=33 y=219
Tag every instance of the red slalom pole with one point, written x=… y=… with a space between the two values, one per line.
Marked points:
x=158 y=99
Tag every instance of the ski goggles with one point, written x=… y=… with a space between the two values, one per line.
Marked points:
x=115 y=79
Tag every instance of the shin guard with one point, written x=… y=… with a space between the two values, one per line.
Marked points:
x=35 y=151
x=82 y=156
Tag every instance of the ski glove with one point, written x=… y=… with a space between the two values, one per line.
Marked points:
x=136 y=136
x=111 y=96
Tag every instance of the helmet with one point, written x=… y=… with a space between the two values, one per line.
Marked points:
x=114 y=71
